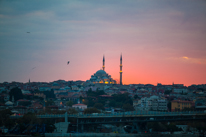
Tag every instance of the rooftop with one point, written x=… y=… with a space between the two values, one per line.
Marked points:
x=79 y=105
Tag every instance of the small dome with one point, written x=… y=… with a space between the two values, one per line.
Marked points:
x=93 y=78
x=104 y=78
x=101 y=72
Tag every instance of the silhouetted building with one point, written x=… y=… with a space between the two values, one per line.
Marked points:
x=101 y=76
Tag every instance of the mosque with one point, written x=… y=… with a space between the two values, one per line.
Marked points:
x=102 y=77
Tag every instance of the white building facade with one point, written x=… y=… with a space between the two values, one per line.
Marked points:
x=80 y=106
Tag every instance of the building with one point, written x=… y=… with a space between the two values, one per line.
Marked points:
x=180 y=90
x=75 y=87
x=44 y=88
x=5 y=97
x=179 y=105
x=23 y=102
x=9 y=103
x=162 y=105
x=101 y=76
x=144 y=103
x=21 y=109
x=158 y=104
x=61 y=90
x=39 y=94
x=136 y=104
x=151 y=103
x=80 y=106
x=37 y=105
x=200 y=104
x=55 y=86
x=120 y=70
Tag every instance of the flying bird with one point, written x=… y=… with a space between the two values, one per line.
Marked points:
x=67 y=62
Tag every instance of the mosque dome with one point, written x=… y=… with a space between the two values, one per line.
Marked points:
x=101 y=76
x=101 y=72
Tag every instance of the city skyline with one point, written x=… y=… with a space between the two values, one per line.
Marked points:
x=160 y=41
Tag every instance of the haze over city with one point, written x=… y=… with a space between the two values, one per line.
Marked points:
x=160 y=41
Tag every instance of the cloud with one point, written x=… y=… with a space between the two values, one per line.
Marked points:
x=190 y=60
x=185 y=57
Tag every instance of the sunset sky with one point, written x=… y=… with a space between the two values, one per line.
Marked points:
x=161 y=41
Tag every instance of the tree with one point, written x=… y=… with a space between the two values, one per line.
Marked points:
x=172 y=127
x=49 y=103
x=2 y=100
x=22 y=127
x=38 y=98
x=118 y=104
x=112 y=103
x=119 y=99
x=99 y=106
x=80 y=98
x=95 y=94
x=29 y=118
x=16 y=93
x=169 y=105
x=167 y=92
x=69 y=103
x=136 y=97
x=90 y=102
x=46 y=111
x=91 y=110
x=58 y=111
x=85 y=101
x=28 y=97
x=5 y=118
x=200 y=125
x=24 y=103
x=49 y=94
x=156 y=126
x=9 y=123
x=128 y=107
x=72 y=111
x=50 y=127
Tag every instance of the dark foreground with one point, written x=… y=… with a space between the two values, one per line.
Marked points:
x=118 y=135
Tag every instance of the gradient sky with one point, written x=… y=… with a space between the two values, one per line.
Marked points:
x=160 y=41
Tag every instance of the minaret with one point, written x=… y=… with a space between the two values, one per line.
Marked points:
x=120 y=70
x=103 y=63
